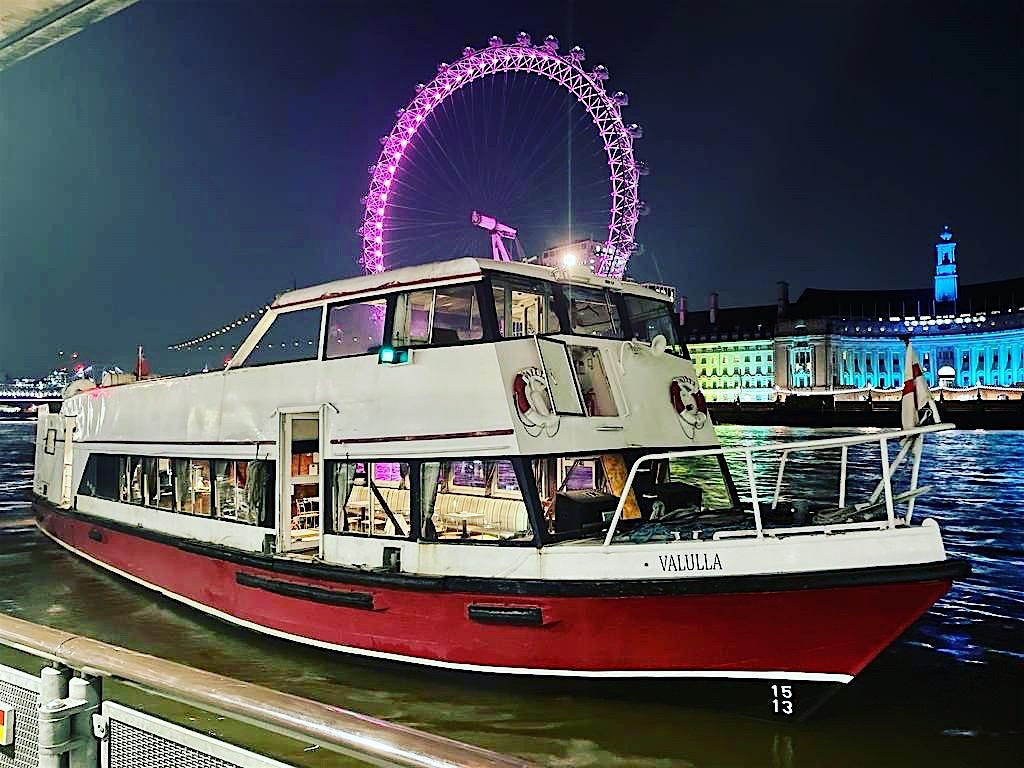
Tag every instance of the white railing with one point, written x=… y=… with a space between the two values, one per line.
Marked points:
x=911 y=440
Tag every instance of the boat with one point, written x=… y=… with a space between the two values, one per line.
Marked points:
x=496 y=468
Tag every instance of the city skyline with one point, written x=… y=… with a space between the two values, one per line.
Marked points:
x=183 y=168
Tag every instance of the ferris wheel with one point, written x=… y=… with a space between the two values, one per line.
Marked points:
x=452 y=145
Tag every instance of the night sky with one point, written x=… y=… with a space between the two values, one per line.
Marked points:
x=181 y=162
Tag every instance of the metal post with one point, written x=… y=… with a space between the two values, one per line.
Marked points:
x=842 y=477
x=887 y=483
x=86 y=754
x=53 y=731
x=753 y=493
x=918 y=448
x=778 y=479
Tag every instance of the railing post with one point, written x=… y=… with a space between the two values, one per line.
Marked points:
x=778 y=479
x=918 y=449
x=753 y=493
x=842 y=477
x=887 y=482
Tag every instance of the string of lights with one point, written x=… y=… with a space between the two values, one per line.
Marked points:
x=198 y=341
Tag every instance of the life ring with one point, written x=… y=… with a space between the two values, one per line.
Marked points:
x=532 y=402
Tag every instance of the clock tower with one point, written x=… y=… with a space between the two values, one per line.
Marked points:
x=946 y=278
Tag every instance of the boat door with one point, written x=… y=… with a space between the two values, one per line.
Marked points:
x=299 y=521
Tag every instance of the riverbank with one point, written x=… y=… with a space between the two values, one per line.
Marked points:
x=812 y=411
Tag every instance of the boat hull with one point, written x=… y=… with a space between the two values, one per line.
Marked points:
x=773 y=638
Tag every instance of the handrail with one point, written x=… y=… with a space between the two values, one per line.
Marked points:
x=356 y=735
x=748 y=451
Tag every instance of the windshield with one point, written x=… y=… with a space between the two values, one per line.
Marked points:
x=593 y=313
x=649 y=318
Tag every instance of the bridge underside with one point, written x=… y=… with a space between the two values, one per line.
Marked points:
x=29 y=26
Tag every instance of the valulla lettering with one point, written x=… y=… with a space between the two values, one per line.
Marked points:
x=695 y=561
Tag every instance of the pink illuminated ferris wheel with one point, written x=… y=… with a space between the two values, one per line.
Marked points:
x=442 y=141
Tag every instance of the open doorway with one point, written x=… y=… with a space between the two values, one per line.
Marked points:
x=301 y=487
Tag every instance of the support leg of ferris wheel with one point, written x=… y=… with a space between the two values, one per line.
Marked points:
x=499 y=234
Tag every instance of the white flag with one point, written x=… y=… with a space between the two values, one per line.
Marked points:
x=916 y=395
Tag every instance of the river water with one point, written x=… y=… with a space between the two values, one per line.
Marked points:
x=950 y=692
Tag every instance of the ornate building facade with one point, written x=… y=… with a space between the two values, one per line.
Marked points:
x=964 y=335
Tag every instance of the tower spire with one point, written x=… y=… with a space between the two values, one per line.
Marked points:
x=946 y=278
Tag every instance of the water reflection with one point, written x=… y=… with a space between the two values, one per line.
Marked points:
x=947 y=694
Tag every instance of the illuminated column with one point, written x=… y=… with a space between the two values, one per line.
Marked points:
x=946 y=280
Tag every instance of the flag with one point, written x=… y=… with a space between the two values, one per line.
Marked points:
x=141 y=365
x=916 y=395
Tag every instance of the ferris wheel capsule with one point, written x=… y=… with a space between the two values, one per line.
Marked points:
x=420 y=87
x=495 y=41
x=468 y=51
x=442 y=66
x=643 y=168
x=523 y=38
x=621 y=98
x=577 y=53
x=635 y=130
x=600 y=72
x=551 y=43
x=643 y=208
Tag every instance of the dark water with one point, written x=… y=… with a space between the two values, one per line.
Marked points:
x=949 y=693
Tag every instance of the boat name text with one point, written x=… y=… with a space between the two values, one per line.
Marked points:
x=696 y=561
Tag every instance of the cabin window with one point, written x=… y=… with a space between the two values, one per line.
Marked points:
x=446 y=315
x=165 y=486
x=193 y=490
x=50 y=445
x=150 y=481
x=593 y=313
x=475 y=501
x=369 y=498
x=524 y=308
x=649 y=318
x=355 y=329
x=243 y=491
x=293 y=336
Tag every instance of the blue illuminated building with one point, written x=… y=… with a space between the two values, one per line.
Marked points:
x=964 y=335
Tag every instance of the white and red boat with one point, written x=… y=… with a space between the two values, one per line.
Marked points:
x=491 y=467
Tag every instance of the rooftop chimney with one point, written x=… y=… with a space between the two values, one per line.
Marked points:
x=713 y=308
x=783 y=297
x=682 y=310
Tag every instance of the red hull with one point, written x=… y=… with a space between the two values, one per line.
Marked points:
x=824 y=634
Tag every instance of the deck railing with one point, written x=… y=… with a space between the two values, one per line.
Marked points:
x=365 y=738
x=911 y=441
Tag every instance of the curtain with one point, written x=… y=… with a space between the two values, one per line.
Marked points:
x=342 y=476
x=430 y=473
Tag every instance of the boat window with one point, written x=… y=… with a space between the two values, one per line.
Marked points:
x=355 y=329
x=523 y=307
x=133 y=481
x=368 y=498
x=649 y=318
x=593 y=313
x=446 y=315
x=165 y=492
x=475 y=501
x=244 y=489
x=293 y=336
x=151 y=485
x=192 y=485
x=579 y=493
